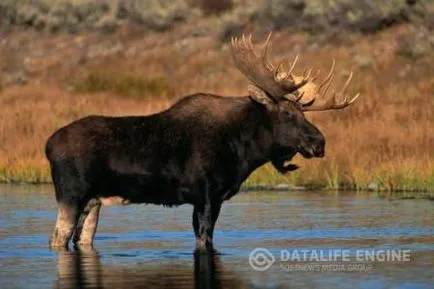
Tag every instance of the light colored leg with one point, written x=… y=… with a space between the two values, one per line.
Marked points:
x=67 y=217
x=87 y=225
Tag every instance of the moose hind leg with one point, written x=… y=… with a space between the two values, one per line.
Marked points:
x=72 y=195
x=87 y=224
x=67 y=217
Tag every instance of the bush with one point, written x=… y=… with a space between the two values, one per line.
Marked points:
x=212 y=6
x=154 y=14
x=416 y=44
x=360 y=15
x=73 y=16
x=310 y=15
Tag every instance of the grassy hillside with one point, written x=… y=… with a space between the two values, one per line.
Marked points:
x=384 y=141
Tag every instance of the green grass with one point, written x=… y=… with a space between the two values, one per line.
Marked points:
x=27 y=174
x=334 y=179
x=267 y=176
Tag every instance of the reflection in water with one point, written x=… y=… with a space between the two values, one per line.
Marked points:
x=84 y=269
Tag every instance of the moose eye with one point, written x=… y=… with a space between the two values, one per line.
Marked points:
x=288 y=114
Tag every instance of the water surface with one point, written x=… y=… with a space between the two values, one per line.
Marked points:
x=146 y=246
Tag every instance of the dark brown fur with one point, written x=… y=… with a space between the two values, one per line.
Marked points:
x=199 y=152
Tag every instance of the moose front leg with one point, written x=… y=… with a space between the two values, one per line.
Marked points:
x=204 y=219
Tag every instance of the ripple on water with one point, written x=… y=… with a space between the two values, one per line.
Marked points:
x=152 y=247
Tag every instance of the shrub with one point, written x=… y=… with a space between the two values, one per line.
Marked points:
x=416 y=44
x=72 y=16
x=360 y=15
x=155 y=14
x=212 y=6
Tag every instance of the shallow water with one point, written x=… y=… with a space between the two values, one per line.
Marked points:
x=146 y=246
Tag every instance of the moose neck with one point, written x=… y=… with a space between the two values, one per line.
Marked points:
x=256 y=136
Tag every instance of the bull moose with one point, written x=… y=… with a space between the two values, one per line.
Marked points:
x=199 y=151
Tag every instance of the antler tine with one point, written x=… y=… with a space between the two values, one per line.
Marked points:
x=249 y=41
x=294 y=98
x=300 y=84
x=313 y=78
x=235 y=42
x=354 y=98
x=291 y=67
x=293 y=64
x=244 y=42
x=328 y=78
x=293 y=85
x=329 y=82
x=299 y=97
x=307 y=75
x=346 y=83
x=267 y=41
x=265 y=52
x=276 y=72
x=344 y=88
x=331 y=102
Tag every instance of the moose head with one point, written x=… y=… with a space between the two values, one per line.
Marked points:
x=287 y=96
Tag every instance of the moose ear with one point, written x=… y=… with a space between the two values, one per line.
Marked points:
x=258 y=95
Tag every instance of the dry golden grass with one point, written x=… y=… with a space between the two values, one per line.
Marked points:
x=384 y=141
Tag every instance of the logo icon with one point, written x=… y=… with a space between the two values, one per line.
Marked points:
x=261 y=259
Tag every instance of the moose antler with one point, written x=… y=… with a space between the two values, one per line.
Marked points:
x=261 y=72
x=285 y=85
x=331 y=103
